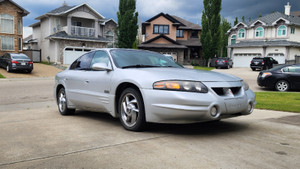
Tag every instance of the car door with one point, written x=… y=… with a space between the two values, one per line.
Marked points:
x=98 y=83
x=294 y=75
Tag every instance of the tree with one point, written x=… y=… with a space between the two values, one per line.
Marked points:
x=236 y=21
x=259 y=15
x=225 y=26
x=249 y=19
x=210 y=34
x=127 y=23
x=243 y=18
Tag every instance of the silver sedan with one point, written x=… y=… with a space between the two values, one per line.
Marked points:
x=139 y=86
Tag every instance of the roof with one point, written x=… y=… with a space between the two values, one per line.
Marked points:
x=66 y=9
x=65 y=36
x=296 y=13
x=263 y=43
x=177 y=21
x=25 y=12
x=148 y=43
x=35 y=24
x=190 y=42
x=271 y=19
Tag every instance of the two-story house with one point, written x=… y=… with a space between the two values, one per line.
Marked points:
x=276 y=35
x=11 y=26
x=174 y=36
x=68 y=32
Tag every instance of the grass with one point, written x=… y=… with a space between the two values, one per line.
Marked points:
x=281 y=101
x=204 y=68
x=1 y=76
x=46 y=63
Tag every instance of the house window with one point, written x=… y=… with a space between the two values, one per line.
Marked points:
x=20 y=44
x=179 y=33
x=242 y=33
x=194 y=34
x=7 y=43
x=161 y=29
x=7 y=23
x=259 y=32
x=292 y=30
x=233 y=39
x=76 y=23
x=281 y=31
x=19 y=28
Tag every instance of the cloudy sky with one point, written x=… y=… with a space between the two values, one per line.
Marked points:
x=190 y=10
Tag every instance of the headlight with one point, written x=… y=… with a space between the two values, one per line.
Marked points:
x=245 y=85
x=187 y=86
x=265 y=74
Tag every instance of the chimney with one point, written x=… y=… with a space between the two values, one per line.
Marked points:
x=64 y=4
x=287 y=10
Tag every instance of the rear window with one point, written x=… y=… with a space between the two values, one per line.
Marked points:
x=19 y=56
x=257 y=59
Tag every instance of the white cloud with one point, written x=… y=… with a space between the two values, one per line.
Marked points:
x=27 y=31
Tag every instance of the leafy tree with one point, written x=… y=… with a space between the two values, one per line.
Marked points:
x=259 y=15
x=210 y=35
x=249 y=19
x=127 y=23
x=225 y=26
x=243 y=18
x=236 y=21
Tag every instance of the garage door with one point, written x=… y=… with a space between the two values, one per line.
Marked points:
x=278 y=56
x=72 y=53
x=243 y=60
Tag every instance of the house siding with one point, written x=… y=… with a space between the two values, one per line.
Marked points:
x=161 y=21
x=8 y=8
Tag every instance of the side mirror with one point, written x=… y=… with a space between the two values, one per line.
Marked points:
x=101 y=66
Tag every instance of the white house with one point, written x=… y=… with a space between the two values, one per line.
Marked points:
x=276 y=35
x=67 y=32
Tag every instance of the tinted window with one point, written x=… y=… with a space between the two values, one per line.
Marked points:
x=293 y=69
x=100 y=57
x=82 y=63
x=123 y=58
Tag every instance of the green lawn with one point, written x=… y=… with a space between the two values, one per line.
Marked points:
x=1 y=76
x=281 y=101
x=204 y=68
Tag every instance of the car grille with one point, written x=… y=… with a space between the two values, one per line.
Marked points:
x=223 y=91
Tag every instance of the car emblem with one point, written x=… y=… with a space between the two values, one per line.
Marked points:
x=256 y=63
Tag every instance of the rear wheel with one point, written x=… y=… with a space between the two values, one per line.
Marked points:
x=253 y=69
x=228 y=66
x=62 y=103
x=7 y=68
x=282 y=86
x=131 y=110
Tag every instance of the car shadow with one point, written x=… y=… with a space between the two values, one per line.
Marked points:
x=201 y=128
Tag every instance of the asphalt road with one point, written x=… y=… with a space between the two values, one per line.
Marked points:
x=34 y=135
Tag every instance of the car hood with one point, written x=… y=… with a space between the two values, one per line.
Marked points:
x=149 y=75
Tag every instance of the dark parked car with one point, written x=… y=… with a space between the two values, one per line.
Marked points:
x=282 y=78
x=263 y=63
x=16 y=61
x=223 y=63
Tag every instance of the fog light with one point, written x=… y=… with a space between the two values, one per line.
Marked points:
x=214 y=111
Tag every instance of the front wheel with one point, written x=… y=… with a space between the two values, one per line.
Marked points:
x=282 y=86
x=253 y=69
x=62 y=103
x=131 y=110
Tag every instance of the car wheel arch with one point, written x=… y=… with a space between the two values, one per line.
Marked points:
x=121 y=87
x=58 y=88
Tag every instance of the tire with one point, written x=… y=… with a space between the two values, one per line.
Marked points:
x=8 y=69
x=62 y=103
x=29 y=71
x=131 y=110
x=282 y=86
x=228 y=67
x=253 y=69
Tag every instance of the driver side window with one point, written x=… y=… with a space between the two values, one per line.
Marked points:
x=83 y=62
x=100 y=57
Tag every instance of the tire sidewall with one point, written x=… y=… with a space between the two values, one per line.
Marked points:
x=65 y=112
x=140 y=124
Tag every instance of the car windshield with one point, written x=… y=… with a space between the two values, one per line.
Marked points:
x=277 y=68
x=19 y=56
x=139 y=59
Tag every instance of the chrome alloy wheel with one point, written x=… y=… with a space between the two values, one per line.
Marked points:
x=62 y=101
x=129 y=110
x=282 y=86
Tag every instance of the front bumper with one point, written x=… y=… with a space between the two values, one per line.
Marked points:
x=186 y=107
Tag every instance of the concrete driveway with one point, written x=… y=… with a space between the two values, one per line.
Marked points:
x=34 y=135
x=247 y=74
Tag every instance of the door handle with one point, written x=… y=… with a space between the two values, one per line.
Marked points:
x=87 y=81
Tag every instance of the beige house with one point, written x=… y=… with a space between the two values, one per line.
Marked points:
x=174 y=36
x=68 y=32
x=276 y=35
x=11 y=27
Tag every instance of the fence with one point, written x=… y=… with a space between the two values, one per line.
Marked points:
x=34 y=55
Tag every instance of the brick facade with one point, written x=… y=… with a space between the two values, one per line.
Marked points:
x=7 y=7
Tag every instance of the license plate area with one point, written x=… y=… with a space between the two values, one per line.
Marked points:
x=235 y=105
x=23 y=63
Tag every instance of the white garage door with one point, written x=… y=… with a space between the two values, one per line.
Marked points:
x=278 y=56
x=243 y=60
x=72 y=53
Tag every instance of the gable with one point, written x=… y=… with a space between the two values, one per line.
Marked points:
x=14 y=6
x=83 y=12
x=161 y=20
x=161 y=41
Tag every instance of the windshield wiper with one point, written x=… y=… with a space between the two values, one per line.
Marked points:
x=138 y=66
